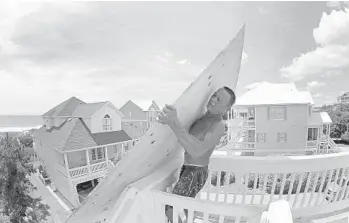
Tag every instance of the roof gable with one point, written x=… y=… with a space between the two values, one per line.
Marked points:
x=73 y=134
x=88 y=109
x=132 y=111
x=154 y=106
x=65 y=108
x=79 y=137
x=56 y=137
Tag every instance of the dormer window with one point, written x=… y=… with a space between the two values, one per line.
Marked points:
x=107 y=124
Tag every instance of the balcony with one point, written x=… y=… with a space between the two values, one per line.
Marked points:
x=242 y=189
x=95 y=168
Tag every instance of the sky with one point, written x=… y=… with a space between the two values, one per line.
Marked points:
x=143 y=51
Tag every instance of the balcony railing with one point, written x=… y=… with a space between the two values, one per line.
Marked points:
x=249 y=123
x=98 y=167
x=241 y=184
x=102 y=165
x=78 y=172
x=312 y=143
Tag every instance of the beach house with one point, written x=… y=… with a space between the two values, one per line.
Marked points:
x=277 y=118
x=137 y=118
x=78 y=143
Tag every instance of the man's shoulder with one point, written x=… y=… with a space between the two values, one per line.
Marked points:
x=219 y=126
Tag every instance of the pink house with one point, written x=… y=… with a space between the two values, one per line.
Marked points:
x=78 y=143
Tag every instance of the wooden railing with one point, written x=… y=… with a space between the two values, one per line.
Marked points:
x=103 y=165
x=98 y=167
x=312 y=143
x=78 y=172
x=206 y=211
x=249 y=123
x=304 y=181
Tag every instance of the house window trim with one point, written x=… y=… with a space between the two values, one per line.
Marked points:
x=317 y=135
x=270 y=117
x=264 y=137
x=107 y=123
x=95 y=154
x=285 y=137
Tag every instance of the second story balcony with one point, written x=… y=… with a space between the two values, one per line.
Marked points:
x=95 y=161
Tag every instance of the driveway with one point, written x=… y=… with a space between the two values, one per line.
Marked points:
x=58 y=213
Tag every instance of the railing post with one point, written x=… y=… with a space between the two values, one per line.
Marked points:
x=106 y=153
x=122 y=150
x=88 y=162
x=66 y=164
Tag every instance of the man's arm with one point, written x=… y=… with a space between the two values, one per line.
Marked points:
x=192 y=145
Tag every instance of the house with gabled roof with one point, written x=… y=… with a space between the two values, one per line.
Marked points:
x=78 y=143
x=343 y=98
x=138 y=117
x=277 y=118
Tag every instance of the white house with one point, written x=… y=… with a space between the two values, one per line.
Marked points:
x=277 y=118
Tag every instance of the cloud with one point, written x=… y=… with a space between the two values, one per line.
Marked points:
x=333 y=4
x=112 y=51
x=185 y=61
x=331 y=57
x=263 y=11
x=317 y=95
x=315 y=84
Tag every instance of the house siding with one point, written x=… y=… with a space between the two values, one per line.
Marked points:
x=97 y=119
x=76 y=159
x=295 y=127
x=56 y=170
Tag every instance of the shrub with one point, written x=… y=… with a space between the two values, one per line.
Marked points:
x=297 y=181
x=223 y=178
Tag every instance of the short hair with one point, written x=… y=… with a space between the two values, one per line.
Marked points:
x=232 y=96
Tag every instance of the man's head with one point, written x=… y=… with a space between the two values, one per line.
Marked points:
x=221 y=101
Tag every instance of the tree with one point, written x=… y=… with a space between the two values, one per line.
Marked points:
x=339 y=114
x=26 y=140
x=15 y=186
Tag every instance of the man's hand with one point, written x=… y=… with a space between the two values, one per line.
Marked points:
x=168 y=116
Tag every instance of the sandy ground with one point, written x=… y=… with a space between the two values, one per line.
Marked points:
x=58 y=213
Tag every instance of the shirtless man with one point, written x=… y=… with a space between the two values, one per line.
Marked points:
x=199 y=143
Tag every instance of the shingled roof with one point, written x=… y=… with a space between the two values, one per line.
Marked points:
x=73 y=134
x=87 y=110
x=66 y=108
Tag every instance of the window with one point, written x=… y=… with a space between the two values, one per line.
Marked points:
x=251 y=135
x=107 y=124
x=97 y=153
x=313 y=134
x=277 y=113
x=261 y=137
x=282 y=136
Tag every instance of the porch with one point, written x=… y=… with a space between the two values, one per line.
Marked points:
x=243 y=189
x=91 y=162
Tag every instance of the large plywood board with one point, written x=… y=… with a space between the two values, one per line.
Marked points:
x=159 y=144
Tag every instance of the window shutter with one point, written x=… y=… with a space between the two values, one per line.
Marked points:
x=278 y=137
x=285 y=113
x=285 y=136
x=268 y=115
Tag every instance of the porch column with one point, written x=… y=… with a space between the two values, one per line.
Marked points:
x=66 y=164
x=88 y=162
x=122 y=150
x=106 y=153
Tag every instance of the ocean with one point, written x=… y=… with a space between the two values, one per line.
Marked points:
x=19 y=123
